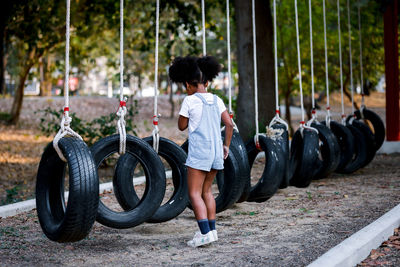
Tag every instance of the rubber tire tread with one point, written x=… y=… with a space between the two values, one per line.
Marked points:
x=304 y=151
x=125 y=190
x=155 y=181
x=360 y=151
x=239 y=150
x=377 y=124
x=73 y=222
x=274 y=168
x=370 y=139
x=329 y=151
x=346 y=143
x=284 y=143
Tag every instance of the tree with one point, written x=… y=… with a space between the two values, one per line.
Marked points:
x=265 y=64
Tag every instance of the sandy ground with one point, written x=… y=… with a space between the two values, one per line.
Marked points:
x=291 y=229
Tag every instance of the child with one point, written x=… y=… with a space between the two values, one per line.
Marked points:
x=202 y=113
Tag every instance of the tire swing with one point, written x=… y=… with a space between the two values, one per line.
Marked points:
x=169 y=151
x=62 y=222
x=370 y=118
x=329 y=150
x=277 y=123
x=152 y=166
x=305 y=147
x=360 y=141
x=371 y=146
x=343 y=135
x=230 y=181
x=274 y=168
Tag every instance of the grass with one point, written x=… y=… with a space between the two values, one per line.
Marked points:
x=4 y=116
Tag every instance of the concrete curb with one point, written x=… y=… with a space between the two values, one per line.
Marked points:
x=389 y=147
x=358 y=246
x=23 y=206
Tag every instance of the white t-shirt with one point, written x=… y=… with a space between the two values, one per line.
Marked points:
x=192 y=108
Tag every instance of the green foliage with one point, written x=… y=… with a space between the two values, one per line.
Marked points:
x=224 y=97
x=12 y=196
x=91 y=131
x=4 y=116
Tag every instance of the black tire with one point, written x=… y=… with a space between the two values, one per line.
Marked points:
x=239 y=150
x=360 y=151
x=370 y=141
x=73 y=222
x=304 y=155
x=274 y=169
x=329 y=151
x=125 y=191
x=155 y=181
x=229 y=181
x=283 y=141
x=346 y=143
x=378 y=127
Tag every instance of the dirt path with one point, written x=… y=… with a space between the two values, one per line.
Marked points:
x=291 y=229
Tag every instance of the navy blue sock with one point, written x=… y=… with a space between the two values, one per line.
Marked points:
x=212 y=224
x=204 y=226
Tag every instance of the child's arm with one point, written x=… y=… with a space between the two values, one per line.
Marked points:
x=183 y=122
x=228 y=131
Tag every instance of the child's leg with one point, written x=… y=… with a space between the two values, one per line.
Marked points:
x=207 y=195
x=195 y=183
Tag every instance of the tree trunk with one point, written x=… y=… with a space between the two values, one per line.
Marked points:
x=2 y=58
x=19 y=96
x=288 y=115
x=265 y=64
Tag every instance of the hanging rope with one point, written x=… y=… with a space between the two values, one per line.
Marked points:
x=302 y=123
x=253 y=16
x=276 y=118
x=313 y=112
x=122 y=101
x=361 y=62
x=156 y=135
x=203 y=18
x=66 y=119
x=328 y=108
x=228 y=41
x=340 y=64
x=350 y=58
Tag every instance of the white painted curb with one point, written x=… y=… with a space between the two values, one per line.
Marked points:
x=23 y=206
x=389 y=147
x=357 y=247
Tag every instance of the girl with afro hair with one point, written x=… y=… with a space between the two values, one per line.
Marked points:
x=202 y=113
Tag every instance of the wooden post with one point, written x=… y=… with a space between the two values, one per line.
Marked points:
x=392 y=71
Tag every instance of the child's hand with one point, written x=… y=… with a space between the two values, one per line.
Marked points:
x=226 y=151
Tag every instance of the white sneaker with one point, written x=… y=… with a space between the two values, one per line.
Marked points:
x=201 y=240
x=214 y=232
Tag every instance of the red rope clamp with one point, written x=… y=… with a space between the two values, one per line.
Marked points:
x=155 y=120
x=231 y=115
x=302 y=122
x=122 y=103
x=328 y=108
x=66 y=109
x=277 y=112
x=313 y=111
x=258 y=146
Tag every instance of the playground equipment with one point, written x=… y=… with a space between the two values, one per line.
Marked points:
x=143 y=152
x=72 y=221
